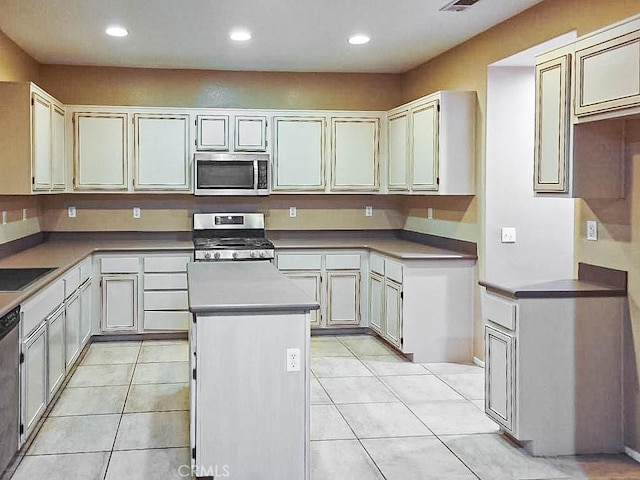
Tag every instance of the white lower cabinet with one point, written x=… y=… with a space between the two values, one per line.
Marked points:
x=376 y=306
x=553 y=371
x=334 y=279
x=33 y=378
x=119 y=303
x=393 y=312
x=385 y=299
x=72 y=327
x=86 y=309
x=56 y=359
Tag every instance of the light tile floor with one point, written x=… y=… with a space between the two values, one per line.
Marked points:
x=124 y=414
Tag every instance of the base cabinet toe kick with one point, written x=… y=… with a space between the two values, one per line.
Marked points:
x=553 y=372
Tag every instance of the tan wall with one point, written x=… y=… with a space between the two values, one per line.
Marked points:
x=15 y=64
x=205 y=88
x=173 y=212
x=17 y=227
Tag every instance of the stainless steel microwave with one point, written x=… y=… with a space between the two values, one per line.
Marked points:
x=231 y=173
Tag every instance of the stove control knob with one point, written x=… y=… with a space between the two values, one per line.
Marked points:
x=207 y=255
x=263 y=254
x=234 y=254
x=253 y=254
x=215 y=255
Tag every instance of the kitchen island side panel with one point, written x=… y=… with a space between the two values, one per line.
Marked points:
x=252 y=416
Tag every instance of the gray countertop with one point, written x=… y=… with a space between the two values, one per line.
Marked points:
x=251 y=287
x=570 y=288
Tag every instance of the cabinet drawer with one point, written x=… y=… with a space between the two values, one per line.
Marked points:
x=36 y=310
x=71 y=281
x=342 y=262
x=119 y=265
x=166 y=300
x=166 y=264
x=393 y=271
x=299 y=261
x=376 y=264
x=500 y=311
x=165 y=281
x=85 y=270
x=167 y=320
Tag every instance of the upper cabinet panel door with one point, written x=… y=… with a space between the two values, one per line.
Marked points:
x=41 y=138
x=608 y=75
x=161 y=152
x=354 y=153
x=299 y=153
x=212 y=132
x=424 y=147
x=552 y=125
x=250 y=134
x=398 y=151
x=58 y=149
x=101 y=151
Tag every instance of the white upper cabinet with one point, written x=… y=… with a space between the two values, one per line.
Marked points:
x=101 y=151
x=250 y=134
x=608 y=69
x=41 y=116
x=354 y=153
x=212 y=132
x=58 y=148
x=398 y=151
x=161 y=152
x=431 y=145
x=424 y=146
x=552 y=124
x=298 y=153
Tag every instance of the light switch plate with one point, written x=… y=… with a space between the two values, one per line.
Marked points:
x=293 y=212
x=136 y=212
x=71 y=211
x=4 y=218
x=508 y=234
x=592 y=230
x=24 y=214
x=368 y=211
x=430 y=213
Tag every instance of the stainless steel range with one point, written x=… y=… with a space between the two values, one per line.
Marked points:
x=230 y=236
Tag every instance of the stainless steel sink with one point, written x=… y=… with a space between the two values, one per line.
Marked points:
x=15 y=279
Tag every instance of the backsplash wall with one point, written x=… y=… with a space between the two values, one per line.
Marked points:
x=23 y=218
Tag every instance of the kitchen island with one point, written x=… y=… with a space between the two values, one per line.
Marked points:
x=249 y=344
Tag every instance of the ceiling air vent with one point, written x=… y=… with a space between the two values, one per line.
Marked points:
x=459 y=5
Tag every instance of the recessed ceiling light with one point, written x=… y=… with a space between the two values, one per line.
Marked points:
x=116 y=31
x=240 y=35
x=358 y=39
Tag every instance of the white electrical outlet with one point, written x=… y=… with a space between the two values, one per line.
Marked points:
x=508 y=234
x=71 y=211
x=293 y=359
x=136 y=212
x=430 y=213
x=293 y=212
x=4 y=218
x=592 y=230
x=368 y=211
x=24 y=214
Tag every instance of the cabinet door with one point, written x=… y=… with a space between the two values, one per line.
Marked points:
x=100 y=151
x=73 y=315
x=424 y=147
x=34 y=377
x=299 y=153
x=310 y=282
x=41 y=142
x=56 y=365
x=250 y=134
x=343 y=298
x=212 y=132
x=58 y=149
x=354 y=153
x=85 y=314
x=119 y=303
x=499 y=376
x=552 y=125
x=161 y=152
x=393 y=312
x=398 y=151
x=608 y=75
x=376 y=303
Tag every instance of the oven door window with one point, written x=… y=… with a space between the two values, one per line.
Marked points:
x=226 y=174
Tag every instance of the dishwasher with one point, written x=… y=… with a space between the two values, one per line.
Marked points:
x=10 y=391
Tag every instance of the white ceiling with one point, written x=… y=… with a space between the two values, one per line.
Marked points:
x=288 y=35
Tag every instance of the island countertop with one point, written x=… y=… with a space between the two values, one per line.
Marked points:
x=250 y=287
